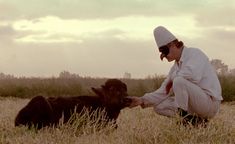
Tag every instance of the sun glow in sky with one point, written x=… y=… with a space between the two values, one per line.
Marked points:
x=132 y=28
x=107 y=38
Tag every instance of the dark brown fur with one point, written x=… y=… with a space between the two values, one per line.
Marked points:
x=41 y=111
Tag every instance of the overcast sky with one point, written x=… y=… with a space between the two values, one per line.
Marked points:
x=106 y=38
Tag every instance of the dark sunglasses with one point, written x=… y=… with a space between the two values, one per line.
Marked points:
x=164 y=50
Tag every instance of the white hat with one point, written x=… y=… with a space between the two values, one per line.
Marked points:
x=163 y=36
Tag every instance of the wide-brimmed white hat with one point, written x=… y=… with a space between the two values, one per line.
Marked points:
x=163 y=36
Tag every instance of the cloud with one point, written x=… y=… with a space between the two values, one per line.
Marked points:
x=7 y=31
x=48 y=38
x=55 y=29
x=94 y=57
x=223 y=35
x=102 y=9
x=8 y=11
x=8 y=34
x=107 y=37
x=216 y=17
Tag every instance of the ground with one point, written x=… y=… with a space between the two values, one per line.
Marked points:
x=136 y=126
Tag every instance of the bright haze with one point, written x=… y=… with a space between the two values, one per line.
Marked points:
x=106 y=38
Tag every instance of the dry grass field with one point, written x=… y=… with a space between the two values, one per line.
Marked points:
x=136 y=126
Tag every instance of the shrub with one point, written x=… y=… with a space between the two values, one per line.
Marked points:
x=28 y=87
x=228 y=87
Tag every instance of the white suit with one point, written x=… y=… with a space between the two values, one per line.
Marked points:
x=195 y=85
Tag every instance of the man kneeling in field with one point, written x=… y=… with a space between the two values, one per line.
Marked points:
x=193 y=80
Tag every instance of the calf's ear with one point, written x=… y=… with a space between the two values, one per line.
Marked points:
x=97 y=91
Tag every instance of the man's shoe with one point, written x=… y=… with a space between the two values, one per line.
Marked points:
x=194 y=120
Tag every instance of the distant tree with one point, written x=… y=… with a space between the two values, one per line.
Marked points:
x=66 y=74
x=219 y=66
x=232 y=72
x=6 y=76
x=127 y=75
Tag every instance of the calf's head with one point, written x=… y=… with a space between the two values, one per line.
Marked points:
x=112 y=93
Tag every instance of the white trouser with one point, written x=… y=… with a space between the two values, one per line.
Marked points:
x=188 y=97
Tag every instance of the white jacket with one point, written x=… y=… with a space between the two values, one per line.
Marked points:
x=194 y=66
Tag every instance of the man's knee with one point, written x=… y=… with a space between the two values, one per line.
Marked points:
x=178 y=82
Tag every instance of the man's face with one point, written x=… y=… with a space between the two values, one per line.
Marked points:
x=168 y=51
x=173 y=52
x=164 y=50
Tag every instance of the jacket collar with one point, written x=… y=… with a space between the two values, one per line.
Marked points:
x=182 y=57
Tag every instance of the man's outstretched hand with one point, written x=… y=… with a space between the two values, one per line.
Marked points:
x=133 y=101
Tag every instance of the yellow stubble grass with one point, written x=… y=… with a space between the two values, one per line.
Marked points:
x=135 y=126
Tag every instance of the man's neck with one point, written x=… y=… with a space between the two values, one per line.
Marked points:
x=179 y=56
